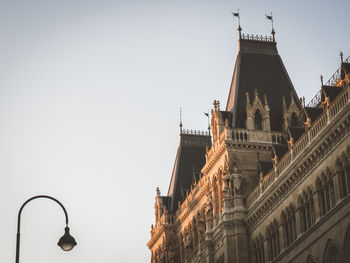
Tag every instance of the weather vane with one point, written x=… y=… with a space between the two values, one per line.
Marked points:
x=270 y=17
x=236 y=14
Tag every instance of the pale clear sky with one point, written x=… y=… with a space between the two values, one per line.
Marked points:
x=89 y=99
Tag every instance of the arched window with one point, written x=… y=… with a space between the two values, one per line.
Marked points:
x=341 y=177
x=346 y=171
x=258 y=255
x=310 y=259
x=257 y=120
x=302 y=213
x=289 y=225
x=294 y=121
x=330 y=187
x=331 y=254
x=321 y=197
x=307 y=209
x=273 y=240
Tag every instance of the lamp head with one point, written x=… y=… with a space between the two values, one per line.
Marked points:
x=67 y=242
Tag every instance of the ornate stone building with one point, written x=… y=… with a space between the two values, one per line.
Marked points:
x=272 y=181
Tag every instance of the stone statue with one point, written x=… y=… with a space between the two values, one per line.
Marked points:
x=237 y=181
x=201 y=227
x=188 y=240
x=226 y=189
x=209 y=206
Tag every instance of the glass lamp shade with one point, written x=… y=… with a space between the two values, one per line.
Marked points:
x=67 y=242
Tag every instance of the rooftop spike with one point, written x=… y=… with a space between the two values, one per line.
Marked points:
x=341 y=57
x=321 y=78
x=180 y=125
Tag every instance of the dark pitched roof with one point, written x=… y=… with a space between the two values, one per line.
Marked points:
x=331 y=91
x=227 y=115
x=166 y=200
x=279 y=149
x=265 y=166
x=190 y=159
x=259 y=66
x=313 y=113
x=296 y=132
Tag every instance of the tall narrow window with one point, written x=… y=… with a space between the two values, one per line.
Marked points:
x=257 y=121
x=321 y=197
x=341 y=175
x=294 y=122
x=273 y=240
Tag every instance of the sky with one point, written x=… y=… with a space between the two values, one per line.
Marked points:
x=90 y=93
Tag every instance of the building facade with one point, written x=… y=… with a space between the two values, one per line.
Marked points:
x=271 y=182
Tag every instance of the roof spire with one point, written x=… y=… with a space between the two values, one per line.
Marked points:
x=341 y=57
x=321 y=77
x=239 y=23
x=270 y=17
x=180 y=121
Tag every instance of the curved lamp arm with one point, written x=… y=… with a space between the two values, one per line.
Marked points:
x=19 y=219
x=36 y=197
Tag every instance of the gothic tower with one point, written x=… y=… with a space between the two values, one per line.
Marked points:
x=272 y=181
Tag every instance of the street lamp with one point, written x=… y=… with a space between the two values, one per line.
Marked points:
x=66 y=242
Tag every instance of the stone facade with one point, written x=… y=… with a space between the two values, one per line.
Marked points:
x=252 y=201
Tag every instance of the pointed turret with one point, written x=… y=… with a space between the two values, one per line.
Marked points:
x=259 y=66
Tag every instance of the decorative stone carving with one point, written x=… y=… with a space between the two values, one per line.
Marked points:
x=201 y=226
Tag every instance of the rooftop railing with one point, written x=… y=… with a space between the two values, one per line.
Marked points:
x=299 y=147
x=257 y=38
x=333 y=80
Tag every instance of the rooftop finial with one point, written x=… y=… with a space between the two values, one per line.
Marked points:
x=341 y=57
x=180 y=121
x=270 y=17
x=321 y=78
x=239 y=23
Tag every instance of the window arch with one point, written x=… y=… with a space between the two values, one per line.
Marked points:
x=341 y=177
x=307 y=209
x=331 y=253
x=346 y=171
x=288 y=221
x=321 y=197
x=258 y=255
x=257 y=120
x=310 y=259
x=294 y=120
x=273 y=240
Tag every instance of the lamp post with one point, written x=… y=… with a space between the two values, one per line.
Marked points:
x=66 y=242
